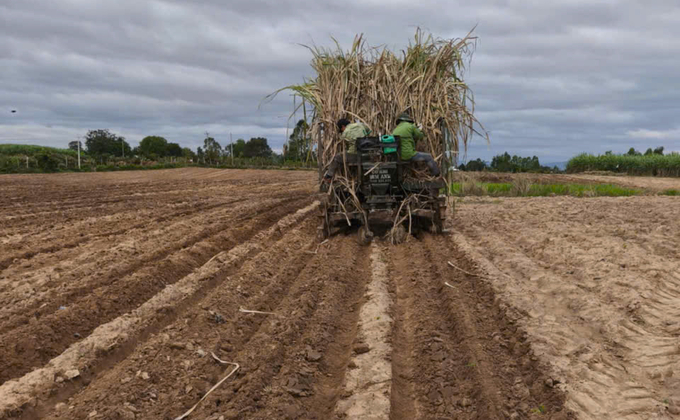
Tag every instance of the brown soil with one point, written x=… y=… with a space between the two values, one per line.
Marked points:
x=134 y=279
x=652 y=185
x=655 y=184
x=595 y=284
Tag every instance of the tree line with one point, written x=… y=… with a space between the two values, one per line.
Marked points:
x=507 y=163
x=104 y=144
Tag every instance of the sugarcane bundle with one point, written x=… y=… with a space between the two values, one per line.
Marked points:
x=374 y=85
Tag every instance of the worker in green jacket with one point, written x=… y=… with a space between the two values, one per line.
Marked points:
x=410 y=134
x=349 y=132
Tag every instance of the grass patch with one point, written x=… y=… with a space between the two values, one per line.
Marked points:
x=539 y=410
x=541 y=190
x=498 y=189
x=671 y=192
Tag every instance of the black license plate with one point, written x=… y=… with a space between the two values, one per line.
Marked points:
x=380 y=176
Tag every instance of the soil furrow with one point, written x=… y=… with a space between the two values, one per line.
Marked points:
x=45 y=243
x=58 y=330
x=467 y=360
x=106 y=265
x=286 y=281
x=112 y=342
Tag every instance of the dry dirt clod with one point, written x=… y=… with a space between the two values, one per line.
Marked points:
x=131 y=407
x=313 y=355
x=362 y=348
x=72 y=374
x=125 y=414
x=177 y=346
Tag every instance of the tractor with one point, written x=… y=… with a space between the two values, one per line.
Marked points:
x=378 y=187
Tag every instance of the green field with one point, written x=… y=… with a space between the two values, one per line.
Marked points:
x=540 y=190
x=648 y=165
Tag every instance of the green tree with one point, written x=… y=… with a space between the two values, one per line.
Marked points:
x=173 y=149
x=188 y=153
x=474 y=165
x=153 y=146
x=101 y=142
x=239 y=148
x=212 y=149
x=257 y=147
x=658 y=150
x=47 y=162
x=74 y=145
x=507 y=163
x=633 y=152
x=649 y=152
x=299 y=143
x=200 y=155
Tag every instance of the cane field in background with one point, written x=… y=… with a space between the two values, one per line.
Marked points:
x=631 y=164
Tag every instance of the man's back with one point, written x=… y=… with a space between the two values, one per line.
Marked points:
x=409 y=134
x=352 y=132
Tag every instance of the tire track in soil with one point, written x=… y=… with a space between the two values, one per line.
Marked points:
x=96 y=365
x=368 y=383
x=312 y=370
x=57 y=331
x=308 y=298
x=458 y=356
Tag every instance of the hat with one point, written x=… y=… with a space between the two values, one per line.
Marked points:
x=404 y=117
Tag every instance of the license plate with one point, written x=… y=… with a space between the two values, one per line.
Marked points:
x=381 y=176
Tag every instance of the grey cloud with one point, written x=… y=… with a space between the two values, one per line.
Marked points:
x=550 y=78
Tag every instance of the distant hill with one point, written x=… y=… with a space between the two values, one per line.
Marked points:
x=561 y=165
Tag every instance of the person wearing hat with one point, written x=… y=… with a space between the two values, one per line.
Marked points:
x=349 y=132
x=410 y=134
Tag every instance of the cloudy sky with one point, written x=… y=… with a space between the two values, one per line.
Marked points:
x=551 y=78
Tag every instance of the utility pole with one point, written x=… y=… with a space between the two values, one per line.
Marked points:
x=78 y=139
x=231 y=140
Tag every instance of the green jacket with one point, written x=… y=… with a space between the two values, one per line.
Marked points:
x=352 y=132
x=409 y=134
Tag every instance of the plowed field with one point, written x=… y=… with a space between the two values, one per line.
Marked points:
x=122 y=294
